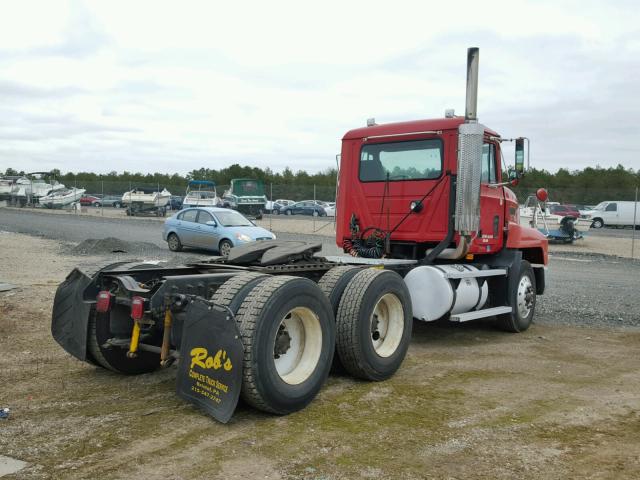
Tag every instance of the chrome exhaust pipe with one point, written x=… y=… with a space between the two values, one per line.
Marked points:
x=470 y=140
x=471 y=106
x=457 y=253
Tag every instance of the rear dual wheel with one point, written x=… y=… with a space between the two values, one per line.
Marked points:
x=333 y=283
x=288 y=332
x=118 y=323
x=373 y=324
x=115 y=358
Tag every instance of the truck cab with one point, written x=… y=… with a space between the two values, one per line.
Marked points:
x=400 y=178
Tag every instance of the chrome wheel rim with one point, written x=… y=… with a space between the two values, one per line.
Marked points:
x=525 y=296
x=173 y=242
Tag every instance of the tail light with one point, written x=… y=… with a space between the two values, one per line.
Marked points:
x=137 y=308
x=103 y=301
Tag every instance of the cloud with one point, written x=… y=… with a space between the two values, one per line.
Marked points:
x=21 y=91
x=151 y=86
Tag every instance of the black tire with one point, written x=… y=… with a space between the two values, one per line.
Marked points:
x=232 y=293
x=260 y=317
x=355 y=337
x=96 y=204
x=117 y=205
x=517 y=321
x=224 y=247
x=315 y=213
x=115 y=359
x=597 y=223
x=332 y=285
x=288 y=212
x=276 y=212
x=174 y=243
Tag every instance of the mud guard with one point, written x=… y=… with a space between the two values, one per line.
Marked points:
x=70 y=315
x=71 y=309
x=211 y=355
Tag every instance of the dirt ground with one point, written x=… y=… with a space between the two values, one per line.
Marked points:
x=468 y=402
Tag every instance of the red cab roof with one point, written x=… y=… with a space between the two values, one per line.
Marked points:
x=433 y=124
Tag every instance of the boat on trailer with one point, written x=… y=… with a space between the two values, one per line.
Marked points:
x=201 y=193
x=62 y=198
x=146 y=200
x=31 y=188
x=8 y=186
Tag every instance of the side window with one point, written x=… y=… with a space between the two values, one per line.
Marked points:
x=488 y=163
x=612 y=207
x=204 y=217
x=189 y=216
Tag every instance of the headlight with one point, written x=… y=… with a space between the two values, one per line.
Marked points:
x=243 y=238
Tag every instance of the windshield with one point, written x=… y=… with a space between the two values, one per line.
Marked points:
x=202 y=194
x=414 y=160
x=233 y=219
x=601 y=206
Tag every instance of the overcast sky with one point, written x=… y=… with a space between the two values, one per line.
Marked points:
x=173 y=86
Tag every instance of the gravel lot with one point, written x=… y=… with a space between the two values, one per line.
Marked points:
x=72 y=227
x=559 y=401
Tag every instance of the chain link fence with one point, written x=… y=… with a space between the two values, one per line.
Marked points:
x=569 y=195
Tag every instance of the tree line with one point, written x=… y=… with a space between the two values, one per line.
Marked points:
x=587 y=186
x=220 y=177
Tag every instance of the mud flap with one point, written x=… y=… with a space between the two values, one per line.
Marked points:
x=211 y=354
x=71 y=309
x=70 y=315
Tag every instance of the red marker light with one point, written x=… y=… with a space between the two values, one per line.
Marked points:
x=137 y=308
x=542 y=195
x=103 y=301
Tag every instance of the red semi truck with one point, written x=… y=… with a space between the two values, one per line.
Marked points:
x=431 y=231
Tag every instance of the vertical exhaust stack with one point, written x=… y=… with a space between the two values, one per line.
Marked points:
x=470 y=140
x=471 y=106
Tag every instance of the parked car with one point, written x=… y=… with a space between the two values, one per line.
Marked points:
x=90 y=200
x=175 y=202
x=306 y=207
x=564 y=211
x=613 y=213
x=275 y=208
x=211 y=228
x=114 y=201
x=330 y=208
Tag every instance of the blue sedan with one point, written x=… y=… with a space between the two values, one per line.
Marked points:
x=210 y=228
